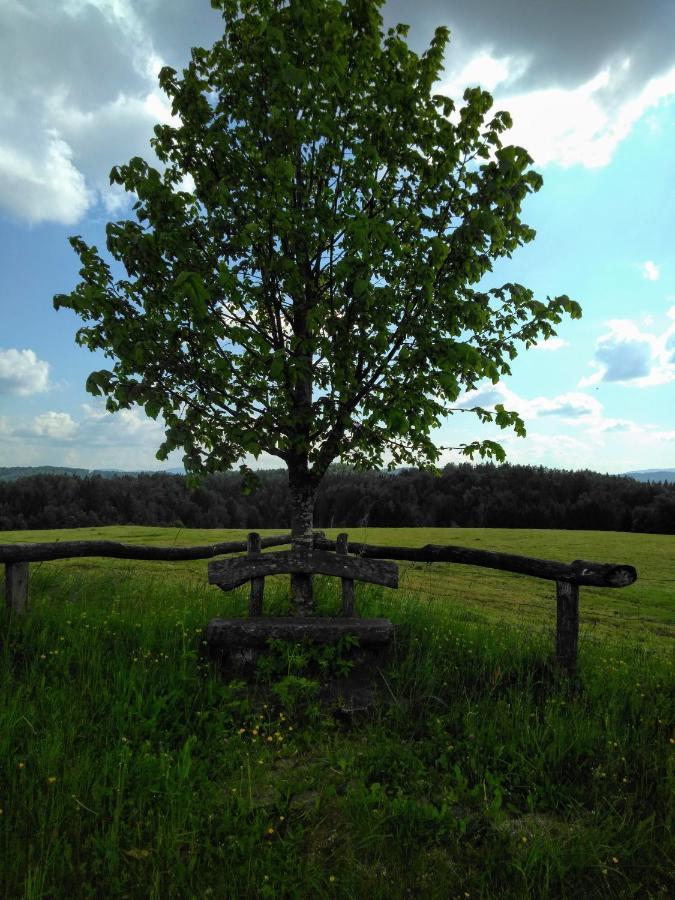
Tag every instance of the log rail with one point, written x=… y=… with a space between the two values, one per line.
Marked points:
x=13 y=553
x=567 y=576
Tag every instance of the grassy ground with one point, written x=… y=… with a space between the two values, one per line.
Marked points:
x=128 y=770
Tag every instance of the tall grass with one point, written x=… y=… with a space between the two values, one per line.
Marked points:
x=129 y=769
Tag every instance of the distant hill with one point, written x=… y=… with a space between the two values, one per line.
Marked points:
x=652 y=475
x=11 y=473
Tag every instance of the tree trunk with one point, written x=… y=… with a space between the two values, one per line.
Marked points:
x=302 y=518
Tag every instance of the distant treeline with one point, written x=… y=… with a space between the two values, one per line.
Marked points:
x=463 y=495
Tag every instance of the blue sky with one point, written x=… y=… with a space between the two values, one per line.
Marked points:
x=591 y=89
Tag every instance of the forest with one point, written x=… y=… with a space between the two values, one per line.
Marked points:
x=463 y=495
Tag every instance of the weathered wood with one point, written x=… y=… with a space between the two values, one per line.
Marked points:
x=10 y=553
x=237 y=633
x=255 y=601
x=347 y=583
x=578 y=572
x=615 y=575
x=228 y=573
x=567 y=633
x=16 y=587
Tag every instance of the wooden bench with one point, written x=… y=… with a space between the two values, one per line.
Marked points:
x=231 y=573
x=236 y=642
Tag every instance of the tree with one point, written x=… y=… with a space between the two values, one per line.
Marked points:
x=315 y=295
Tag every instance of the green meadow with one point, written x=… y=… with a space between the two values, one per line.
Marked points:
x=129 y=768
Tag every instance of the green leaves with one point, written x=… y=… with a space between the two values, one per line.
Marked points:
x=277 y=365
x=153 y=408
x=396 y=421
x=191 y=286
x=99 y=383
x=312 y=296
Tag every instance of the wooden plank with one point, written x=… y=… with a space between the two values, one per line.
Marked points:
x=578 y=572
x=347 y=583
x=227 y=573
x=567 y=632
x=16 y=587
x=255 y=600
x=235 y=584
x=256 y=632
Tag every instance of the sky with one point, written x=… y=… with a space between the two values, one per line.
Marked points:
x=590 y=85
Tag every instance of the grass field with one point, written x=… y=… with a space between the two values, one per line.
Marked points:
x=128 y=769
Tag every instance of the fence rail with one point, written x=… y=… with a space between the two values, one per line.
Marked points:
x=14 y=553
x=578 y=572
x=567 y=576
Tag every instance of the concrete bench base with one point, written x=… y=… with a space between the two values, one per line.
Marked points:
x=256 y=631
x=234 y=646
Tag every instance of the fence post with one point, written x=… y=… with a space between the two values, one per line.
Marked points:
x=16 y=587
x=347 y=583
x=567 y=634
x=255 y=600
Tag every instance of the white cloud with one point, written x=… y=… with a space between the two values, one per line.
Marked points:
x=615 y=450
x=80 y=95
x=54 y=425
x=123 y=428
x=581 y=125
x=627 y=355
x=569 y=431
x=574 y=405
x=554 y=450
x=22 y=373
x=651 y=271
x=92 y=439
x=570 y=407
x=43 y=184
x=551 y=345
x=110 y=134
x=485 y=70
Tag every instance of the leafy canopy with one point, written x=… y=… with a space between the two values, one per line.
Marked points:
x=316 y=293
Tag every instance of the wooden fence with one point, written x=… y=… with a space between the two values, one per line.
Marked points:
x=568 y=577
